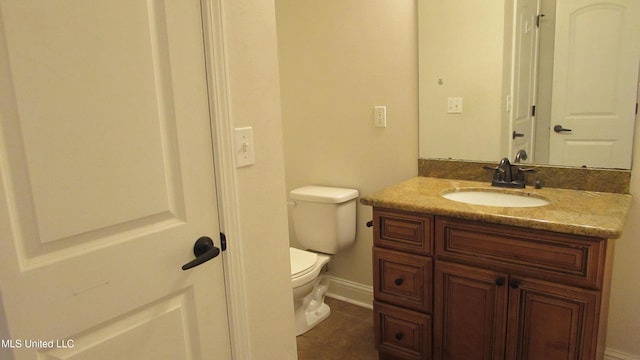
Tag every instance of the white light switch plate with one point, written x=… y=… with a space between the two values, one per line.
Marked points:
x=243 y=145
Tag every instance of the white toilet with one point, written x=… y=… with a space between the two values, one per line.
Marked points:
x=324 y=221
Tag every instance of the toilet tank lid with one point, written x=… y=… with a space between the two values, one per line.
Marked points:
x=323 y=194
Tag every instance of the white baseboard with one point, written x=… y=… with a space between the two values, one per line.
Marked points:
x=351 y=292
x=611 y=354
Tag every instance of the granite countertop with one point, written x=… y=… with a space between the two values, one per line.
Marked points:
x=579 y=212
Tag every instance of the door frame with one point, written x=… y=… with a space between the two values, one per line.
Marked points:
x=226 y=176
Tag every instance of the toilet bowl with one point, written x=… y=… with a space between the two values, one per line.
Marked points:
x=309 y=288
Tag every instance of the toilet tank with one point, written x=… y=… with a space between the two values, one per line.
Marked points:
x=324 y=218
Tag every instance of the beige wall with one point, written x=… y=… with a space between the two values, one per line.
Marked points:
x=624 y=309
x=339 y=59
x=255 y=101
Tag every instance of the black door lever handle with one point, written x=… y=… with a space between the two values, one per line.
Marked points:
x=559 y=129
x=204 y=251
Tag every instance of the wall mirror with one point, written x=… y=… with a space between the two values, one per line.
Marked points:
x=558 y=79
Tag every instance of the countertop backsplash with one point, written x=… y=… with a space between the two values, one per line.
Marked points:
x=590 y=179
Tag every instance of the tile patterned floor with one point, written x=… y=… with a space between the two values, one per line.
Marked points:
x=347 y=334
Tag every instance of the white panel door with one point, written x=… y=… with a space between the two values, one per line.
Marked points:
x=597 y=54
x=106 y=179
x=525 y=66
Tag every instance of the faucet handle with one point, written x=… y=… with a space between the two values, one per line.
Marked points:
x=521 y=171
x=496 y=171
x=526 y=170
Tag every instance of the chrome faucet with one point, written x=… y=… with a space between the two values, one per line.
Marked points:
x=504 y=170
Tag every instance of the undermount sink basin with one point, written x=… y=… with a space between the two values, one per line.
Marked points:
x=494 y=198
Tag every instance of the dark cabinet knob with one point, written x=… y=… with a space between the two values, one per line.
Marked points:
x=399 y=336
x=500 y=281
x=514 y=283
x=398 y=281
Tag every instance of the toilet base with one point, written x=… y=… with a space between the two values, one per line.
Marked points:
x=311 y=318
x=311 y=310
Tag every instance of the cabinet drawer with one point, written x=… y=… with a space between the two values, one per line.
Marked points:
x=564 y=258
x=403 y=333
x=403 y=231
x=403 y=279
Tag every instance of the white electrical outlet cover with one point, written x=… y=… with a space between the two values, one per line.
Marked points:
x=380 y=116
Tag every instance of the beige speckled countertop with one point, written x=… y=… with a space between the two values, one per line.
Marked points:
x=589 y=213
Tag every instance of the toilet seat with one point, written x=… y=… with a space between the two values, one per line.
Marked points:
x=306 y=266
x=302 y=262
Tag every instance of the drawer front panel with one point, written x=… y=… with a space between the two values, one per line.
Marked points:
x=404 y=333
x=564 y=258
x=403 y=279
x=403 y=231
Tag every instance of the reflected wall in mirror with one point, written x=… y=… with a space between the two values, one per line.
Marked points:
x=497 y=77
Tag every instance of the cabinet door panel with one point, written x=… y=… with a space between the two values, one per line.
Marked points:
x=469 y=312
x=549 y=321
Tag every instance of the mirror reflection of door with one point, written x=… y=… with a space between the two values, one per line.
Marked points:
x=591 y=119
x=524 y=87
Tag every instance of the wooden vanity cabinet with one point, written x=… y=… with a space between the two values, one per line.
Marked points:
x=498 y=292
